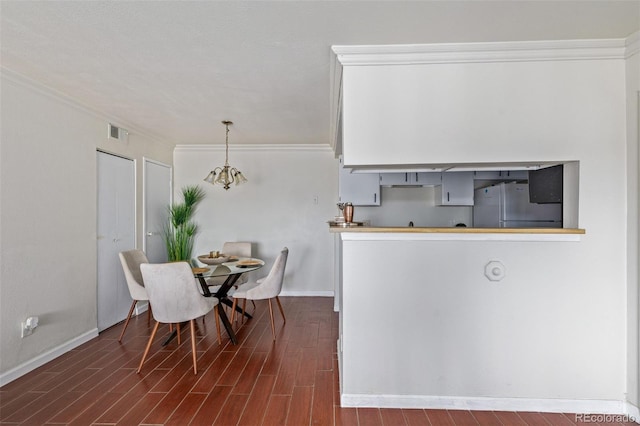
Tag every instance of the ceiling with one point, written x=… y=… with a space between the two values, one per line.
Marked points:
x=175 y=69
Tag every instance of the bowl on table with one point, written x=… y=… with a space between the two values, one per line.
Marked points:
x=213 y=259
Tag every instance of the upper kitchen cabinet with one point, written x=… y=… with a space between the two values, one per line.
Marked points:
x=410 y=179
x=360 y=189
x=503 y=175
x=456 y=189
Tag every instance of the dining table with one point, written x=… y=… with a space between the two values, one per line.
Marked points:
x=231 y=271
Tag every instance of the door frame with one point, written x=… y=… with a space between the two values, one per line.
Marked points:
x=145 y=161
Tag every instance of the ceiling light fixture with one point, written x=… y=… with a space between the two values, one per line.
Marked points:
x=226 y=175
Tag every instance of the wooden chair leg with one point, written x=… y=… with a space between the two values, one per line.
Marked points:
x=146 y=351
x=126 y=323
x=193 y=345
x=233 y=310
x=244 y=310
x=216 y=313
x=178 y=331
x=273 y=326
x=281 y=310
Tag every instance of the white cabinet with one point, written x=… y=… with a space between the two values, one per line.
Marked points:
x=410 y=178
x=388 y=179
x=504 y=175
x=361 y=189
x=427 y=178
x=456 y=189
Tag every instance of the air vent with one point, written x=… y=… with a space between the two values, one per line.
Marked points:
x=118 y=133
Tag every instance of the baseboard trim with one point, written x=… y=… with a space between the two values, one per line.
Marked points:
x=307 y=293
x=484 y=404
x=50 y=355
x=141 y=307
x=632 y=411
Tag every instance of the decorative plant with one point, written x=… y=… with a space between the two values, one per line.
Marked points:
x=181 y=230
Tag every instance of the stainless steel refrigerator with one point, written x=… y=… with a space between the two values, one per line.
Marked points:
x=507 y=205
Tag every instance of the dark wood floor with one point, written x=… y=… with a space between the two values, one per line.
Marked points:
x=293 y=381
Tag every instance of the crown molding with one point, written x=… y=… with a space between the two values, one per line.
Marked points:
x=409 y=54
x=26 y=82
x=632 y=44
x=253 y=147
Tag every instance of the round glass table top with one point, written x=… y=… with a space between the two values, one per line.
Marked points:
x=240 y=266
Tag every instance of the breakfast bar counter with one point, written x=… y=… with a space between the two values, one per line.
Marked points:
x=456 y=230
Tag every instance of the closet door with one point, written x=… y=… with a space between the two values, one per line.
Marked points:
x=116 y=233
x=155 y=208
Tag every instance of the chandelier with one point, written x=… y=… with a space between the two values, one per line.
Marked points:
x=226 y=175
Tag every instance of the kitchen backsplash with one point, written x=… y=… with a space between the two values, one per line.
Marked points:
x=399 y=206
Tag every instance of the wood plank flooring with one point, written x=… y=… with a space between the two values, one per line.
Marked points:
x=292 y=381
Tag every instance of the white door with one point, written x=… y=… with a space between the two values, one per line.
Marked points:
x=116 y=233
x=157 y=197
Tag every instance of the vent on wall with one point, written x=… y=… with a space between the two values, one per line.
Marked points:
x=118 y=133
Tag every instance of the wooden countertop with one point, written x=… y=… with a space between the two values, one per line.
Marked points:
x=456 y=230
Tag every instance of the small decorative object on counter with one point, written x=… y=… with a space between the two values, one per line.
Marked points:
x=348 y=212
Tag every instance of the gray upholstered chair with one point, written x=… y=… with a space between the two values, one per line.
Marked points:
x=131 y=261
x=265 y=288
x=173 y=293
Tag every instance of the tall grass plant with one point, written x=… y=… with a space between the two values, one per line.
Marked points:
x=181 y=230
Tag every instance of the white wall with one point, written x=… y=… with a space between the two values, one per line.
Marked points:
x=276 y=208
x=633 y=220
x=48 y=219
x=552 y=329
x=484 y=112
x=557 y=326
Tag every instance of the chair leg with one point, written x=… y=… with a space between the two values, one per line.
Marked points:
x=193 y=345
x=148 y=313
x=244 y=309
x=146 y=351
x=126 y=323
x=216 y=313
x=273 y=327
x=178 y=331
x=281 y=311
x=233 y=310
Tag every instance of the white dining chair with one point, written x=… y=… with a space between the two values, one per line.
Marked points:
x=173 y=292
x=232 y=248
x=266 y=288
x=131 y=261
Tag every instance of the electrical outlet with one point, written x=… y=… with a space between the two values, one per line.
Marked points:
x=28 y=326
x=25 y=330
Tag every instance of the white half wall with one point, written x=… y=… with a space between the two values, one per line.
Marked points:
x=291 y=194
x=48 y=217
x=552 y=329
